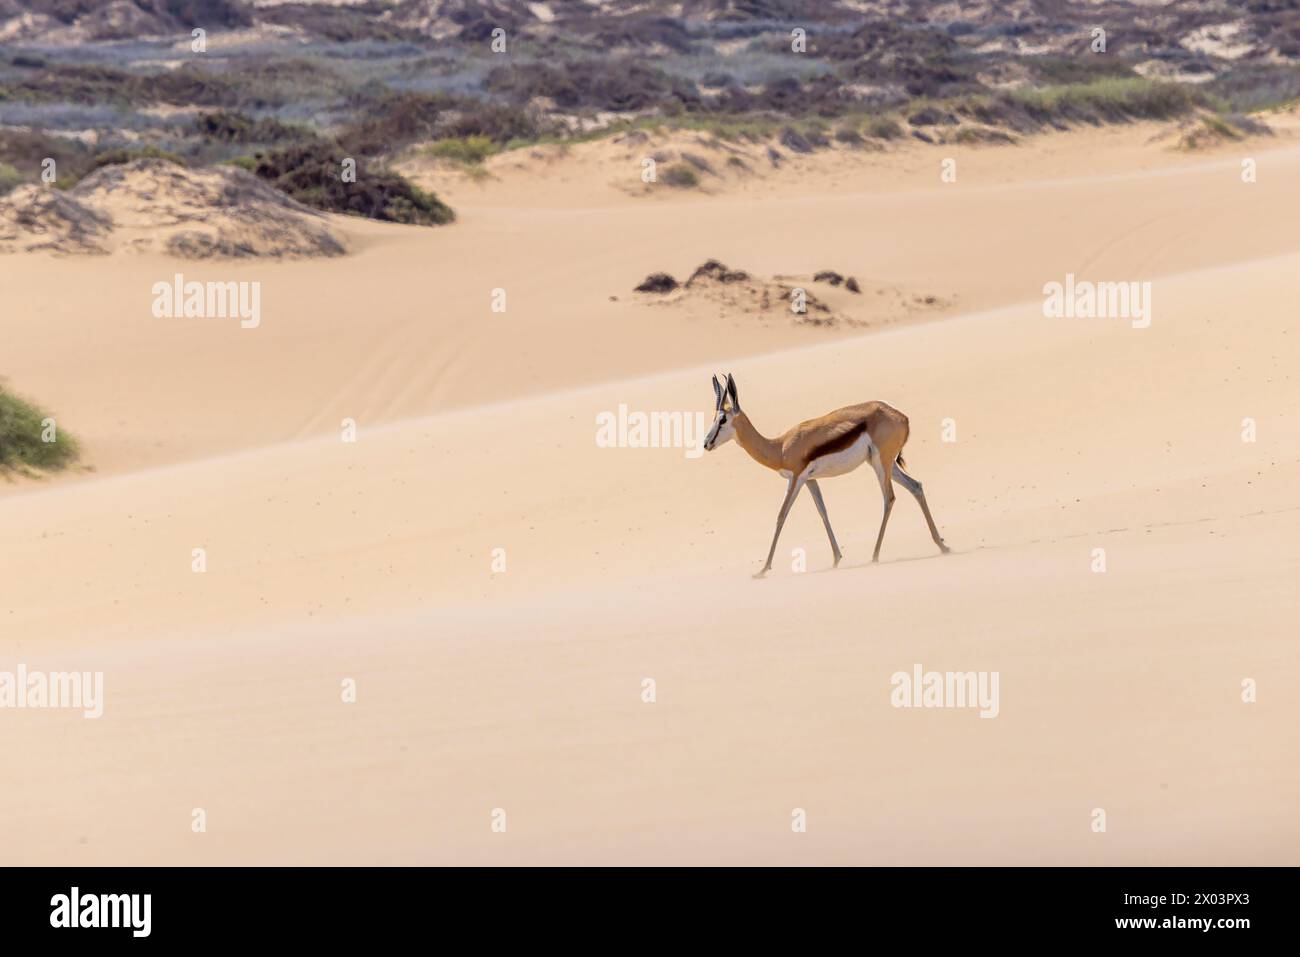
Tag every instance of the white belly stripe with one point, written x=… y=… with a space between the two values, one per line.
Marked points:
x=838 y=463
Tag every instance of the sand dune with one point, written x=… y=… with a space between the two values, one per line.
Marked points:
x=152 y=205
x=521 y=689
x=405 y=326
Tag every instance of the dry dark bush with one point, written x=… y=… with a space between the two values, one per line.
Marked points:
x=388 y=121
x=1256 y=86
x=632 y=32
x=621 y=84
x=982 y=134
x=681 y=176
x=700 y=163
x=313 y=176
x=252 y=84
x=341 y=23
x=120 y=155
x=931 y=116
x=925 y=61
x=795 y=141
x=822 y=96
x=230 y=127
x=657 y=282
x=499 y=122
x=716 y=271
x=100 y=21
x=25 y=150
x=884 y=128
x=881 y=39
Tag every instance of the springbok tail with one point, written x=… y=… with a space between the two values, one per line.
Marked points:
x=899 y=460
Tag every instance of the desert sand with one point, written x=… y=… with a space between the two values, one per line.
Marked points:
x=521 y=689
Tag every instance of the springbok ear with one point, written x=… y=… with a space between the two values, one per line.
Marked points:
x=731 y=391
x=717 y=393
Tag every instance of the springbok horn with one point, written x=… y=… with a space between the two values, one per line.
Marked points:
x=731 y=390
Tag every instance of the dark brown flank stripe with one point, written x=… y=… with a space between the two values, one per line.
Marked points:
x=838 y=444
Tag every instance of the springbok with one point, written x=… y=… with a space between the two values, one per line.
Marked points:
x=834 y=444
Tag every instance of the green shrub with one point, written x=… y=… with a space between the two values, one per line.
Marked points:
x=22 y=444
x=470 y=150
x=9 y=178
x=1076 y=69
x=1109 y=100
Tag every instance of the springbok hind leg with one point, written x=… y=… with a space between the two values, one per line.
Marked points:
x=821 y=509
x=913 y=486
x=886 y=490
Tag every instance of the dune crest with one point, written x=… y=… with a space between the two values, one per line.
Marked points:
x=152 y=205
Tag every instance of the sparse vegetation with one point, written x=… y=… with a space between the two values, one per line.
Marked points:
x=23 y=431
x=366 y=80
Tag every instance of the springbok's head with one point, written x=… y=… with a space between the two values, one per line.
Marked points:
x=726 y=409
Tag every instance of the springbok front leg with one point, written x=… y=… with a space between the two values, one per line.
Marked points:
x=821 y=509
x=791 y=493
x=887 y=490
x=913 y=486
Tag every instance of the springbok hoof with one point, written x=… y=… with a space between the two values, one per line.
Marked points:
x=761 y=573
